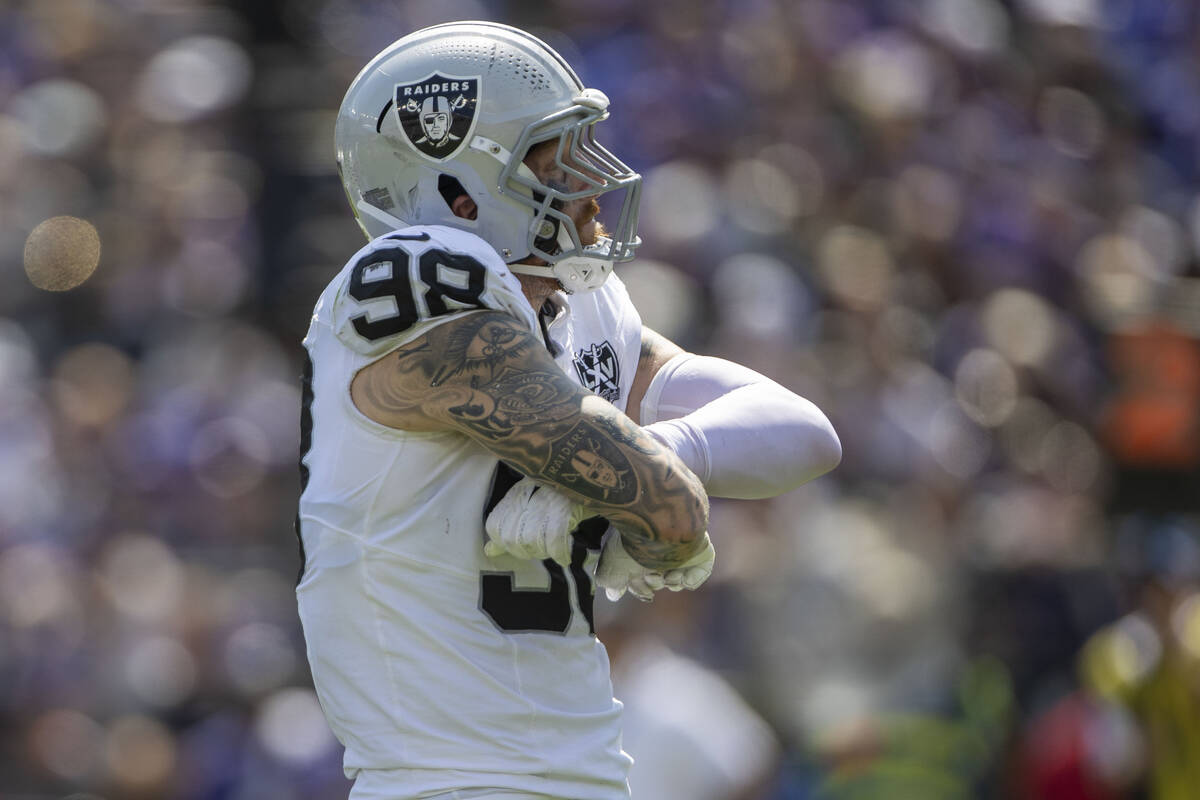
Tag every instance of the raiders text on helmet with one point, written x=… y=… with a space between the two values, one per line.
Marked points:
x=467 y=100
x=437 y=114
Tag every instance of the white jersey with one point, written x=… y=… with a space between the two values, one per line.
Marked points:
x=440 y=669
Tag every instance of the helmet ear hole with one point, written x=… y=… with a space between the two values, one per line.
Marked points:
x=451 y=191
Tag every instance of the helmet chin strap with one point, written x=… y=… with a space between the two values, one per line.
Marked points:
x=577 y=274
x=379 y=215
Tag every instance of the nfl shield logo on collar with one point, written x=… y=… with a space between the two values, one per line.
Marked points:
x=599 y=370
x=437 y=113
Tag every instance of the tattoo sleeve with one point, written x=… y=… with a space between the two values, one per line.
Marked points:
x=484 y=375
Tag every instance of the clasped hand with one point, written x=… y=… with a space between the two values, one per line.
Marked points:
x=535 y=522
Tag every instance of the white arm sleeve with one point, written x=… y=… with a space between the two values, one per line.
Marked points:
x=744 y=435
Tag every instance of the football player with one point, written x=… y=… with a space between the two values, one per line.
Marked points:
x=454 y=375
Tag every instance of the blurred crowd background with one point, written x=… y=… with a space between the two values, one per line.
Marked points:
x=967 y=229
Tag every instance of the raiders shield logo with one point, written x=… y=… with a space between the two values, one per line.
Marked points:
x=598 y=370
x=437 y=113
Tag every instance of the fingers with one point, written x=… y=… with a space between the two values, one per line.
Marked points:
x=634 y=586
x=641 y=592
x=695 y=576
x=645 y=585
x=685 y=577
x=530 y=536
x=692 y=574
x=509 y=509
x=679 y=579
x=560 y=549
x=530 y=524
x=617 y=572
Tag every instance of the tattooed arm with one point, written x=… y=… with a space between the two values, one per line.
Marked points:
x=486 y=376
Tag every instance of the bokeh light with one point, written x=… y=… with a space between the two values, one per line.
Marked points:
x=61 y=253
x=681 y=202
x=1118 y=277
x=93 y=384
x=160 y=671
x=259 y=657
x=38 y=587
x=975 y=26
x=193 y=77
x=986 y=387
x=887 y=76
x=229 y=456
x=763 y=197
x=68 y=743
x=856 y=266
x=1021 y=326
x=1073 y=122
x=140 y=753
x=291 y=726
x=968 y=230
x=59 y=117
x=927 y=202
x=667 y=296
x=141 y=576
x=761 y=295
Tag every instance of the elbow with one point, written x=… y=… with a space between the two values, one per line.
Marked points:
x=813 y=445
x=804 y=438
x=827 y=450
x=789 y=456
x=821 y=449
x=812 y=437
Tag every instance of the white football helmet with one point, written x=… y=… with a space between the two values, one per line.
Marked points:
x=505 y=91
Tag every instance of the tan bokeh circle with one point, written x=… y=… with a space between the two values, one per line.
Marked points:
x=61 y=253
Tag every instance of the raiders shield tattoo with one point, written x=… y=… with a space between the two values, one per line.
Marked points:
x=586 y=461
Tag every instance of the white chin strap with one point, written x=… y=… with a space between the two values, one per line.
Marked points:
x=578 y=274
x=380 y=216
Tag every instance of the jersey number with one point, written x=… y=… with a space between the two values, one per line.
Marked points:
x=453 y=277
x=528 y=610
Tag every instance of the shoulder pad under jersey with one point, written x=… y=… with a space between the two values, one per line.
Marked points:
x=402 y=284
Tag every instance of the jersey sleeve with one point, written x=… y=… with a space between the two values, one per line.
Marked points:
x=402 y=285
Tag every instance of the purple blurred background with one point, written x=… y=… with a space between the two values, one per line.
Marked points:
x=967 y=229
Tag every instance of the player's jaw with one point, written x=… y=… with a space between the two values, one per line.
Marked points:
x=586 y=223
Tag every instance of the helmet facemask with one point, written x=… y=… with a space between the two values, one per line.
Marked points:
x=590 y=171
